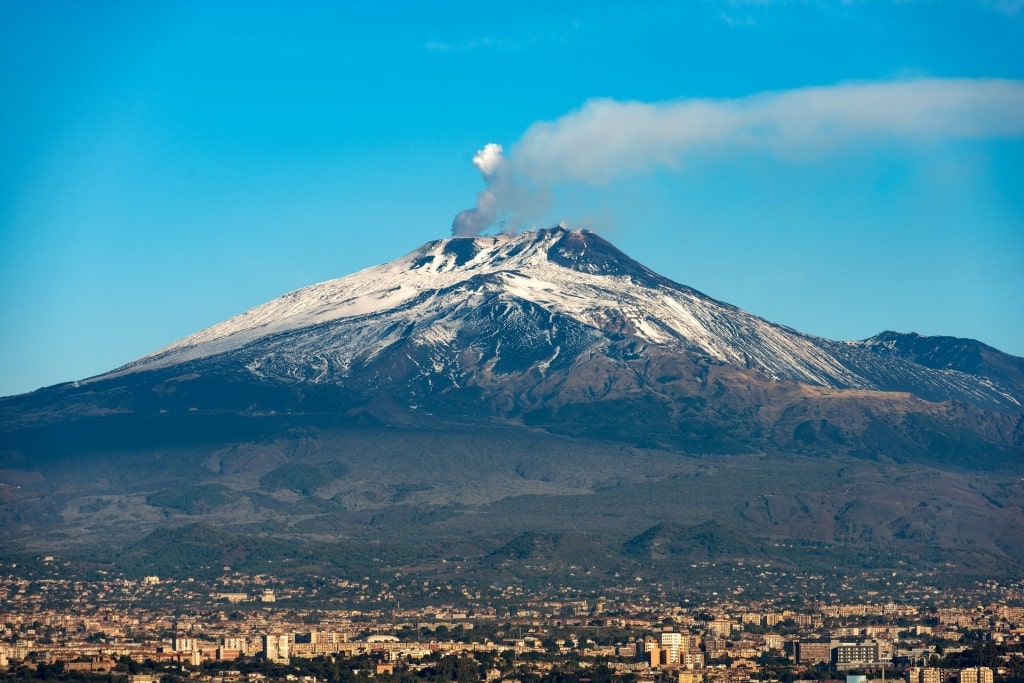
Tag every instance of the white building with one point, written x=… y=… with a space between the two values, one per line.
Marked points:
x=976 y=674
x=275 y=648
x=671 y=641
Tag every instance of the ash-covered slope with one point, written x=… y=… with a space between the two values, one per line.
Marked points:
x=469 y=310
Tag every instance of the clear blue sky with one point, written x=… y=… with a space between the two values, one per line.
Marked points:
x=166 y=165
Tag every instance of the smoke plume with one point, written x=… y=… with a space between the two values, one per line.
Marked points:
x=608 y=138
x=491 y=164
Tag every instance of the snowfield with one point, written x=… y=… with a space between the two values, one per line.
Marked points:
x=426 y=297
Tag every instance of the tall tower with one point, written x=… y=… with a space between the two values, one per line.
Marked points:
x=671 y=642
x=275 y=648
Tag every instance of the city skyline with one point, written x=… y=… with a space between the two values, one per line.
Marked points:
x=80 y=628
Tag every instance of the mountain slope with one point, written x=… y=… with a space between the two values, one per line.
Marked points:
x=508 y=303
x=555 y=329
x=477 y=387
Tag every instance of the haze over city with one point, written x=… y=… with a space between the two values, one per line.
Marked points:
x=841 y=168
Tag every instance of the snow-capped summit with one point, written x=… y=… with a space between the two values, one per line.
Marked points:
x=533 y=301
x=465 y=383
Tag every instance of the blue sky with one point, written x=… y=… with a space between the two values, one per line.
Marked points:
x=166 y=165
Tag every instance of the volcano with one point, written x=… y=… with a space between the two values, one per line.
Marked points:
x=513 y=373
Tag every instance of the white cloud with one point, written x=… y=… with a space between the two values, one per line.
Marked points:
x=607 y=138
x=489 y=159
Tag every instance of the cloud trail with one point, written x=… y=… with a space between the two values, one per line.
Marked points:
x=607 y=138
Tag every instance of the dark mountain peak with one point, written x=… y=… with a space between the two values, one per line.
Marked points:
x=586 y=252
x=950 y=353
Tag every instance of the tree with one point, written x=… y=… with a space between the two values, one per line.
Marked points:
x=601 y=674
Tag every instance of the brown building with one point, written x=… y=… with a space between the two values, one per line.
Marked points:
x=813 y=653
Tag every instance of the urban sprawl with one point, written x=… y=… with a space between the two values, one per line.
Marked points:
x=249 y=629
